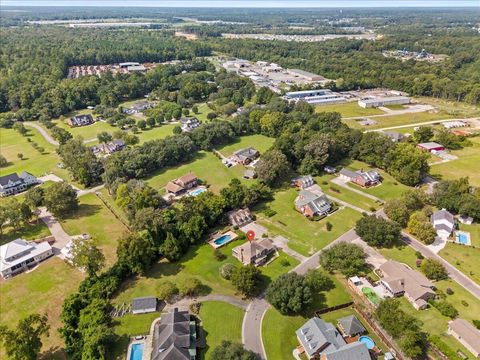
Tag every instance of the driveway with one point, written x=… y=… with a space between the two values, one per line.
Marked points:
x=43 y=132
x=341 y=182
x=373 y=256
x=61 y=237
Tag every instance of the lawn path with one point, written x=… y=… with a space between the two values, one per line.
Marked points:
x=43 y=132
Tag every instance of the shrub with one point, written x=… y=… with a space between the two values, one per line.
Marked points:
x=226 y=271
x=195 y=308
x=444 y=348
x=219 y=255
x=464 y=303
x=269 y=212
x=372 y=209
x=476 y=323
x=446 y=309
x=189 y=287
x=434 y=270
x=419 y=255
x=166 y=290
x=284 y=262
x=449 y=291
x=328 y=226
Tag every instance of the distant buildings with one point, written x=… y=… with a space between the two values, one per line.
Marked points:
x=108 y=148
x=182 y=184
x=189 y=124
x=245 y=156
x=431 y=146
x=305 y=75
x=395 y=136
x=80 y=120
x=360 y=177
x=20 y=255
x=312 y=204
x=240 y=217
x=383 y=101
x=316 y=97
x=467 y=334
x=398 y=279
x=12 y=183
x=254 y=252
x=303 y=182
x=443 y=222
x=321 y=340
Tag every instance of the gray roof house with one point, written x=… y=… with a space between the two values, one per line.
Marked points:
x=395 y=136
x=240 y=217
x=350 y=326
x=443 y=222
x=12 y=183
x=304 y=181
x=321 y=339
x=144 y=305
x=175 y=337
x=246 y=156
x=189 y=124
x=80 y=120
x=311 y=204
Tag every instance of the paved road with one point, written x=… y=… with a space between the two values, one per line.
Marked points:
x=80 y=192
x=388 y=112
x=453 y=272
x=252 y=326
x=420 y=124
x=42 y=131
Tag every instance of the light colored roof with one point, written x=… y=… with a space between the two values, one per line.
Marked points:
x=430 y=145
x=349 y=173
x=253 y=248
x=384 y=99
x=415 y=284
x=443 y=215
x=317 y=335
x=21 y=248
x=469 y=333
x=394 y=135
x=239 y=216
x=14 y=248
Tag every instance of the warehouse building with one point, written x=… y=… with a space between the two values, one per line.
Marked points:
x=305 y=75
x=385 y=101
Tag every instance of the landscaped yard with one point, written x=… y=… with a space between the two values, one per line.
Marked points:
x=305 y=236
x=260 y=142
x=95 y=219
x=40 y=291
x=34 y=230
x=350 y=109
x=467 y=164
x=87 y=132
x=397 y=120
x=198 y=262
x=220 y=321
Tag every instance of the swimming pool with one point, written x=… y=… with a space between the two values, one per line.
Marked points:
x=222 y=240
x=197 y=192
x=136 y=351
x=367 y=341
x=463 y=238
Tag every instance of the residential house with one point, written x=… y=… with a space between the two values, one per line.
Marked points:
x=312 y=204
x=465 y=219
x=395 y=136
x=20 y=255
x=182 y=184
x=246 y=156
x=189 y=124
x=174 y=189
x=304 y=181
x=443 y=222
x=12 y=183
x=467 y=334
x=254 y=252
x=360 y=177
x=144 y=305
x=350 y=326
x=80 y=120
x=240 y=217
x=175 y=336
x=109 y=148
x=398 y=279
x=321 y=340
x=431 y=146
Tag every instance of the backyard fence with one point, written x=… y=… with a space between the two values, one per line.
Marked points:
x=112 y=210
x=333 y=308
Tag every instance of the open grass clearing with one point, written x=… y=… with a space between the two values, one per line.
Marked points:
x=453 y=108
x=305 y=236
x=220 y=321
x=464 y=258
x=158 y=132
x=95 y=219
x=39 y=291
x=349 y=109
x=398 y=120
x=467 y=164
x=260 y=142
x=203 y=111
x=34 y=230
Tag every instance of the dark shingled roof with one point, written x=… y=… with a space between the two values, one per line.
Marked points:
x=351 y=325
x=144 y=303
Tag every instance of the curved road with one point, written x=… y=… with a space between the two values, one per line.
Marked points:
x=44 y=133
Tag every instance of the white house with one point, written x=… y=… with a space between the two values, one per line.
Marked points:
x=13 y=183
x=443 y=222
x=20 y=255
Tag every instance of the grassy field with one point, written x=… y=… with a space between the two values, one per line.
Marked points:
x=203 y=111
x=95 y=219
x=305 y=236
x=278 y=331
x=389 y=189
x=465 y=258
x=34 y=230
x=467 y=164
x=220 y=321
x=398 y=120
x=453 y=108
x=350 y=109
x=260 y=142
x=198 y=262
x=159 y=132
x=40 y=291
x=433 y=321
x=205 y=165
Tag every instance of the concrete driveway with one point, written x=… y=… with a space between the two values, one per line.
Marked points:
x=61 y=237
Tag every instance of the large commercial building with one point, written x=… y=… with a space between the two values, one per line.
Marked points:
x=384 y=101
x=316 y=97
x=305 y=75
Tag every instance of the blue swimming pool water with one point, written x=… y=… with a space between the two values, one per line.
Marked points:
x=367 y=341
x=198 y=191
x=462 y=239
x=136 y=352
x=222 y=239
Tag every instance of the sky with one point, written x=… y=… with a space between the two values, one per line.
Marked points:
x=248 y=3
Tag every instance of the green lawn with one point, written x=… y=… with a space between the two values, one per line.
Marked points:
x=34 y=230
x=398 y=120
x=454 y=108
x=350 y=109
x=305 y=236
x=345 y=194
x=198 y=262
x=159 y=132
x=274 y=269
x=95 y=219
x=87 y=132
x=203 y=111
x=127 y=326
x=205 y=165
x=465 y=258
x=40 y=291
x=260 y=142
x=278 y=331
x=467 y=164
x=220 y=321
x=389 y=189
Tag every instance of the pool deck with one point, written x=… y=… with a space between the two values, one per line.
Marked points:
x=133 y=342
x=468 y=241
x=216 y=236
